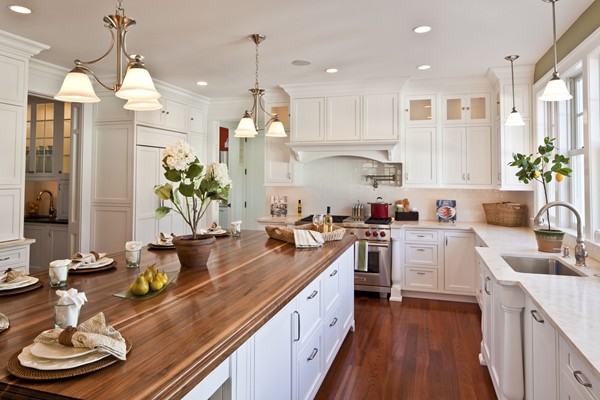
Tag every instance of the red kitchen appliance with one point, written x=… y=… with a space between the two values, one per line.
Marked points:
x=380 y=210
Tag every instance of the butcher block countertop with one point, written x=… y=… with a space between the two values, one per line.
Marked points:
x=178 y=336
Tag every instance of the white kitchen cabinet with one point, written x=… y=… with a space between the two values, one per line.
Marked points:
x=380 y=116
x=62 y=199
x=513 y=139
x=420 y=110
x=459 y=262
x=421 y=264
x=540 y=346
x=13 y=76
x=11 y=213
x=15 y=257
x=11 y=151
x=420 y=156
x=308 y=119
x=466 y=109
x=492 y=326
x=198 y=120
x=343 y=118
x=51 y=243
x=173 y=116
x=577 y=380
x=280 y=169
x=310 y=370
x=466 y=156
x=522 y=100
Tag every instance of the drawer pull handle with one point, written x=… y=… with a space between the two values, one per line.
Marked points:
x=577 y=375
x=332 y=324
x=420 y=235
x=537 y=316
x=4 y=258
x=334 y=273
x=420 y=273
x=360 y=278
x=487 y=279
x=420 y=249
x=312 y=295
x=313 y=354
x=298 y=325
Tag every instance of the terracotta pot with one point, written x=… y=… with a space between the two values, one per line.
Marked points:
x=549 y=241
x=193 y=253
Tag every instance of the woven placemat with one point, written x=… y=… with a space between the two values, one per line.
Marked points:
x=15 y=368
x=90 y=270
x=23 y=289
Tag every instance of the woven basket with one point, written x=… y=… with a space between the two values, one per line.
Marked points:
x=505 y=213
x=287 y=234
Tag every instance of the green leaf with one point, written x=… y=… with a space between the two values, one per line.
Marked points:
x=164 y=192
x=186 y=190
x=194 y=171
x=173 y=175
x=161 y=212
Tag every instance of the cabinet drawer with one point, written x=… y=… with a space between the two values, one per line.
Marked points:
x=309 y=367
x=331 y=335
x=421 y=278
x=421 y=254
x=309 y=307
x=577 y=372
x=331 y=286
x=12 y=257
x=421 y=236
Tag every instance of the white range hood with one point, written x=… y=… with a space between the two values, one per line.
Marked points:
x=382 y=151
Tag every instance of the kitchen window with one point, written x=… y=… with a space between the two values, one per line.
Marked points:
x=575 y=187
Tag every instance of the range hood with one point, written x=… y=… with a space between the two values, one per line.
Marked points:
x=382 y=151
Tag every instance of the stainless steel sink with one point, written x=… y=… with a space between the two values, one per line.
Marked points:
x=536 y=265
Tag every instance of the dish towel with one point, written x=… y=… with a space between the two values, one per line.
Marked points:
x=92 y=334
x=304 y=238
x=363 y=256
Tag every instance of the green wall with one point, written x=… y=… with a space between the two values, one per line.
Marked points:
x=583 y=27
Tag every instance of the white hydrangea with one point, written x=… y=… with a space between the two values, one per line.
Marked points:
x=179 y=155
x=219 y=173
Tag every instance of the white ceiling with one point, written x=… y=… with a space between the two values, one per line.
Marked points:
x=184 y=41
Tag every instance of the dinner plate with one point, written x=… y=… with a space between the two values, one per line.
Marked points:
x=29 y=360
x=20 y=282
x=58 y=351
x=100 y=263
x=218 y=232
x=158 y=245
x=446 y=212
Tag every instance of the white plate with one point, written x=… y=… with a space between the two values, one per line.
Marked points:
x=217 y=232
x=162 y=244
x=58 y=351
x=446 y=212
x=100 y=263
x=21 y=281
x=29 y=360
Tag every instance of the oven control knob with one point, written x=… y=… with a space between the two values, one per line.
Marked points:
x=382 y=234
x=375 y=234
x=367 y=233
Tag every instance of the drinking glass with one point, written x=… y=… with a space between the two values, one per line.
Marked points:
x=318 y=221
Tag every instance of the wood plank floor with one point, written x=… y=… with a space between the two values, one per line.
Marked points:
x=416 y=349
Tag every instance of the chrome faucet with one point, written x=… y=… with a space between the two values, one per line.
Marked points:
x=580 y=250
x=51 y=209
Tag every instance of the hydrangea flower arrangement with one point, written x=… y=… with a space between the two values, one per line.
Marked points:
x=193 y=191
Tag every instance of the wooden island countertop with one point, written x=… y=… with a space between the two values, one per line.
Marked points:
x=180 y=335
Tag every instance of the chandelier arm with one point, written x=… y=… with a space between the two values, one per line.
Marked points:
x=89 y=71
x=124 y=47
x=112 y=44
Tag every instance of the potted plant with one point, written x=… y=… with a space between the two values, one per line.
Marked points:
x=190 y=197
x=546 y=165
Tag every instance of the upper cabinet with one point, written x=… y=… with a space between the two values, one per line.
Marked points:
x=380 y=116
x=308 y=119
x=420 y=110
x=466 y=109
x=343 y=118
x=280 y=169
x=12 y=79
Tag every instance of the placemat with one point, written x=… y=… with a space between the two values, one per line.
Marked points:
x=16 y=369
x=126 y=294
x=23 y=289
x=90 y=270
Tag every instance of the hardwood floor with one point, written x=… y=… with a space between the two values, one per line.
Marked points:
x=416 y=349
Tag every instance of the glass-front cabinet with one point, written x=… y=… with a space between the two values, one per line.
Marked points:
x=419 y=110
x=466 y=109
x=48 y=143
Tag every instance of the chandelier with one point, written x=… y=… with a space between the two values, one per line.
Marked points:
x=556 y=89
x=248 y=126
x=514 y=118
x=136 y=87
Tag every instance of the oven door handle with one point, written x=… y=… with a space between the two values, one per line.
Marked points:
x=379 y=244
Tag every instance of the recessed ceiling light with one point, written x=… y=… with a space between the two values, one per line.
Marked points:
x=301 y=63
x=19 y=9
x=201 y=83
x=424 y=67
x=331 y=70
x=422 y=29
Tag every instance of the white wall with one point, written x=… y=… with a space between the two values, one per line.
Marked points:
x=339 y=182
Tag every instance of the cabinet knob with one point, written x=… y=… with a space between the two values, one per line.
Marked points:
x=192 y=118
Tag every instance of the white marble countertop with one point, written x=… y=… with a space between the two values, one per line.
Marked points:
x=571 y=303
x=13 y=243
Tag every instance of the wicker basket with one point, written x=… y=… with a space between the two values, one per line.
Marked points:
x=287 y=234
x=505 y=213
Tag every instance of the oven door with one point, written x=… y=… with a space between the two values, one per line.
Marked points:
x=378 y=274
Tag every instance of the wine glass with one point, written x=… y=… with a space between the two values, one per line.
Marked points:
x=318 y=221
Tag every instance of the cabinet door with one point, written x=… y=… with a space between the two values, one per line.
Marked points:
x=59 y=243
x=420 y=156
x=277 y=161
x=521 y=100
x=152 y=117
x=478 y=108
x=37 y=249
x=12 y=79
x=380 y=116
x=309 y=367
x=459 y=262
x=486 y=313
x=479 y=155
x=543 y=344
x=308 y=120
x=453 y=109
x=515 y=139
x=453 y=157
x=176 y=116
x=346 y=263
x=273 y=357
x=343 y=118
x=198 y=120
x=419 y=110
x=11 y=151
x=11 y=214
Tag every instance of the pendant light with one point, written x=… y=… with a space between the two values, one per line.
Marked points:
x=248 y=127
x=514 y=118
x=556 y=89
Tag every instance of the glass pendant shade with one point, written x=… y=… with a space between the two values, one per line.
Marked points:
x=143 y=105
x=514 y=119
x=137 y=85
x=77 y=88
x=246 y=128
x=556 y=90
x=276 y=129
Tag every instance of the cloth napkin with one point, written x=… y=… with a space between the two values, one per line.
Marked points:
x=306 y=239
x=12 y=275
x=91 y=334
x=165 y=239
x=87 y=258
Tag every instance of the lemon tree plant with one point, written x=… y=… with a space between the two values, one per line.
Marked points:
x=545 y=165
